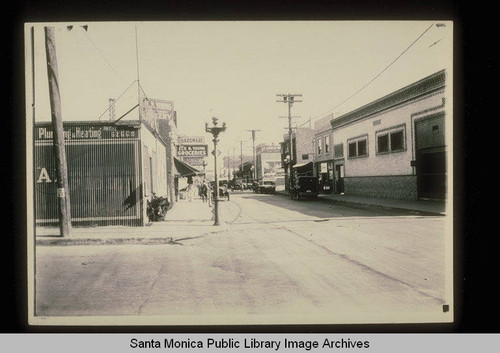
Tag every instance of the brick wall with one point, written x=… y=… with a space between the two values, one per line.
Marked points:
x=403 y=187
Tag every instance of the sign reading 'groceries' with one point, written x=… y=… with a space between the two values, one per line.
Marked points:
x=192 y=150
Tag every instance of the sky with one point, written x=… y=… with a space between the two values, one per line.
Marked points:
x=233 y=70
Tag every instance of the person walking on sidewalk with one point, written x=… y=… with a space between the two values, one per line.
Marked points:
x=209 y=193
x=203 y=191
x=189 y=191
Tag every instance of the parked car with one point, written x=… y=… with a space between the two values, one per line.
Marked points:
x=304 y=186
x=267 y=186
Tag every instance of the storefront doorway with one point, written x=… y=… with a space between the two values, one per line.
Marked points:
x=431 y=174
x=339 y=178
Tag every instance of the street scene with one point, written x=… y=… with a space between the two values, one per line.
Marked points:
x=216 y=173
x=324 y=262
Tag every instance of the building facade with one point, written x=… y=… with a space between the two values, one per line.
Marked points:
x=268 y=164
x=301 y=152
x=394 y=147
x=323 y=154
x=113 y=169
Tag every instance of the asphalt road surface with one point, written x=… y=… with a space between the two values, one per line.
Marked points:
x=277 y=261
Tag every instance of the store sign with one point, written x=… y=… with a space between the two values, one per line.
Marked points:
x=192 y=151
x=194 y=161
x=269 y=149
x=191 y=140
x=323 y=168
x=87 y=132
x=157 y=109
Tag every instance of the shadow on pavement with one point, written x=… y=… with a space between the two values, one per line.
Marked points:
x=319 y=208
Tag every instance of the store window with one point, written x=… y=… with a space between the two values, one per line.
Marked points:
x=358 y=147
x=391 y=140
x=383 y=143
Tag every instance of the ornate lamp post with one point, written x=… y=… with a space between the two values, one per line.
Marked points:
x=215 y=131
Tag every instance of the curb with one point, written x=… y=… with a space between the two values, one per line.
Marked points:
x=103 y=241
x=366 y=206
x=370 y=206
x=58 y=241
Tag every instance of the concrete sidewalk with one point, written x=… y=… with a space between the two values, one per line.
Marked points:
x=419 y=207
x=186 y=219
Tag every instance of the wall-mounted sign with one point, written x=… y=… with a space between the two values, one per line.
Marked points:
x=156 y=109
x=87 y=132
x=194 y=161
x=191 y=140
x=192 y=150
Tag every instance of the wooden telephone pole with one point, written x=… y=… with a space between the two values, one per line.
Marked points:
x=254 y=176
x=60 y=152
x=289 y=99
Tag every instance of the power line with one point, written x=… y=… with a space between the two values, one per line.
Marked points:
x=116 y=100
x=373 y=79
x=101 y=54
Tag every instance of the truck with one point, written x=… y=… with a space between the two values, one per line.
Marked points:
x=304 y=187
x=266 y=186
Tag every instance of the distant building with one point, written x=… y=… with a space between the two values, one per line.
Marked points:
x=301 y=153
x=395 y=147
x=268 y=161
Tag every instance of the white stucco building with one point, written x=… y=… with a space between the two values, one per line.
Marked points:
x=396 y=146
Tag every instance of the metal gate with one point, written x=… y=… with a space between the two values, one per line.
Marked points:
x=103 y=178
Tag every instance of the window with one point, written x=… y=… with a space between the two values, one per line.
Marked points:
x=391 y=140
x=358 y=147
x=319 y=146
x=362 y=148
x=327 y=144
x=383 y=143
x=397 y=142
x=352 y=149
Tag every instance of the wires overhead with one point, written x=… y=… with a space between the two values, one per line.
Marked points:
x=116 y=100
x=373 y=79
x=100 y=52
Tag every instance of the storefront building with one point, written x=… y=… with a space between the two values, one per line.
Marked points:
x=113 y=169
x=323 y=154
x=301 y=153
x=396 y=146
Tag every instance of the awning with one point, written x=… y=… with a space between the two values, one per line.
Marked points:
x=184 y=169
x=303 y=167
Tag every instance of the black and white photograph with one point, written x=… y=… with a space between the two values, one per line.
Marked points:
x=240 y=172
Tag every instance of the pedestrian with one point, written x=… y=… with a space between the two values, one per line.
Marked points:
x=203 y=191
x=189 y=191
x=209 y=194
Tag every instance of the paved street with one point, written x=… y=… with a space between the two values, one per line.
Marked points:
x=275 y=261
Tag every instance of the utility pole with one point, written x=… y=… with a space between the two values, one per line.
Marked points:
x=227 y=166
x=232 y=162
x=241 y=158
x=253 y=149
x=60 y=152
x=289 y=99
